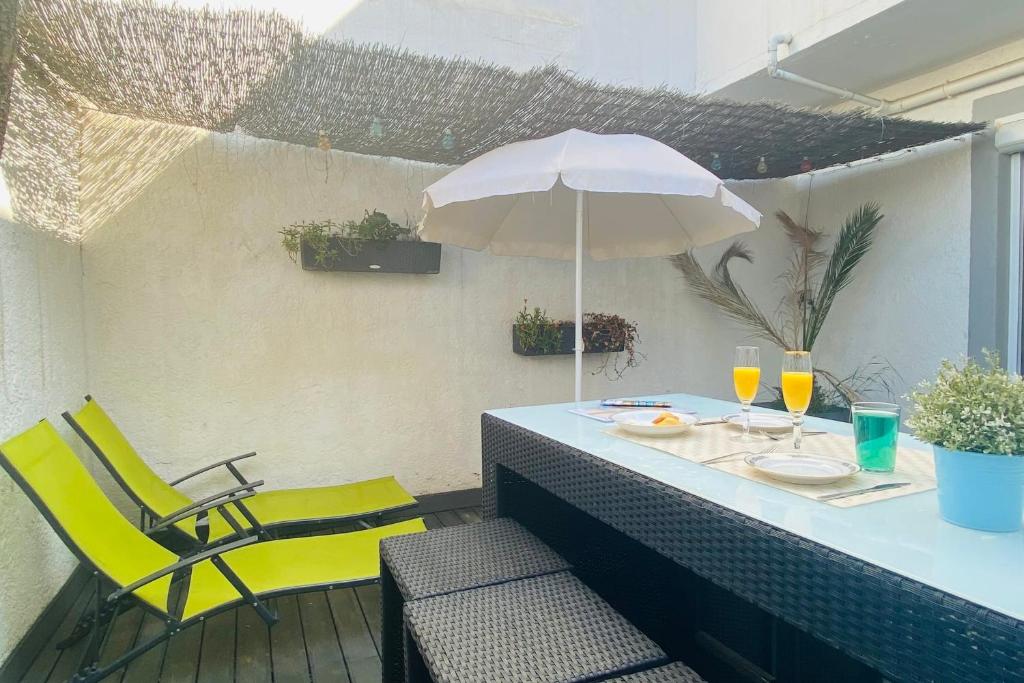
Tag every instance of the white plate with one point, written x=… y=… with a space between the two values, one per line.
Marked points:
x=802 y=468
x=641 y=422
x=761 y=422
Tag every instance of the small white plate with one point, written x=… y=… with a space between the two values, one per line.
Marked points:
x=802 y=468
x=641 y=422
x=761 y=422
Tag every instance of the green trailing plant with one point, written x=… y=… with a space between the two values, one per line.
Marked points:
x=602 y=333
x=971 y=407
x=327 y=239
x=812 y=281
x=537 y=331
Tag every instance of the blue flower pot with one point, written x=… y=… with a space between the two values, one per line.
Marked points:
x=980 y=491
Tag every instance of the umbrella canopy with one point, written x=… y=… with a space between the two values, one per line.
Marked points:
x=626 y=195
x=645 y=199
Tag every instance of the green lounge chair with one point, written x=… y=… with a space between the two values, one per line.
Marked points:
x=243 y=572
x=267 y=509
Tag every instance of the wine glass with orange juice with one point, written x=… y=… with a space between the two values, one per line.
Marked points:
x=797 y=385
x=746 y=376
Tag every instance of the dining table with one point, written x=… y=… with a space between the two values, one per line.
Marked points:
x=751 y=581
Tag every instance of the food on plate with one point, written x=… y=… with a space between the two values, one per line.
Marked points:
x=666 y=420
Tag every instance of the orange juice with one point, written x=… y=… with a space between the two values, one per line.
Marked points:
x=746 y=380
x=796 y=390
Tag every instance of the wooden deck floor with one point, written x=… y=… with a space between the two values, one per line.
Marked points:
x=323 y=636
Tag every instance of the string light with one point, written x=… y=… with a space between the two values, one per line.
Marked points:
x=376 y=128
x=716 y=162
x=805 y=165
x=448 y=140
x=323 y=141
x=762 y=166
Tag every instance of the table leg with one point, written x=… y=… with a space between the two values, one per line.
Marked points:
x=391 y=602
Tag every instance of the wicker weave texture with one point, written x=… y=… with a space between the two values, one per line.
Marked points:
x=904 y=629
x=548 y=628
x=467 y=556
x=676 y=672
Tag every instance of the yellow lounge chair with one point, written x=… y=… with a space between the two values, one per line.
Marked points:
x=142 y=570
x=264 y=511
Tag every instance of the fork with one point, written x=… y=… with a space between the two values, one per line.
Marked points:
x=719 y=458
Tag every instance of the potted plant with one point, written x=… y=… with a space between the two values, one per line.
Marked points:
x=375 y=244
x=974 y=418
x=534 y=333
x=812 y=281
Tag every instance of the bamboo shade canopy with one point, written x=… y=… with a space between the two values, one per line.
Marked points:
x=258 y=73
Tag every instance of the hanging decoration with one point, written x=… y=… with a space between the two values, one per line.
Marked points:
x=716 y=162
x=762 y=166
x=805 y=165
x=323 y=141
x=376 y=128
x=448 y=140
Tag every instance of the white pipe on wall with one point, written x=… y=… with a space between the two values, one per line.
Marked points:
x=1014 y=272
x=775 y=72
x=886 y=107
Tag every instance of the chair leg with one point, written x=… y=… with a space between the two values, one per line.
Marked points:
x=91 y=673
x=85 y=624
x=90 y=656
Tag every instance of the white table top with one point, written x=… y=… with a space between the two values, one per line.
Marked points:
x=904 y=535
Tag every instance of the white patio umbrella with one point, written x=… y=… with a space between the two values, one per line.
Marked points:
x=627 y=196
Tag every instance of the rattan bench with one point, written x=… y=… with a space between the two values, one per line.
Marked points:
x=454 y=559
x=676 y=672
x=546 y=629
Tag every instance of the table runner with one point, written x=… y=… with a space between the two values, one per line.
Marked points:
x=705 y=442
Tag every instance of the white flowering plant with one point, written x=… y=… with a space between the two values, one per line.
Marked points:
x=971 y=407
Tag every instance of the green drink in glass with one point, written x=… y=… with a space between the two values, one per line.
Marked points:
x=876 y=427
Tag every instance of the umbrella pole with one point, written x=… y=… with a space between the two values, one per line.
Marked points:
x=579 y=295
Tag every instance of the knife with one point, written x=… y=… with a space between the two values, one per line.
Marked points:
x=870 y=489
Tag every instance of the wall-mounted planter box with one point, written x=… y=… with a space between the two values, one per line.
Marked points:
x=835 y=413
x=600 y=342
x=380 y=256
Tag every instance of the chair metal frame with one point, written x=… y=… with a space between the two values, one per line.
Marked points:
x=178 y=538
x=106 y=608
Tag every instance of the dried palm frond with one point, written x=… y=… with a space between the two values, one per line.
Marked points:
x=851 y=246
x=723 y=292
x=797 y=278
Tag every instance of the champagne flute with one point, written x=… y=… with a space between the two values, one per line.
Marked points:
x=797 y=385
x=746 y=375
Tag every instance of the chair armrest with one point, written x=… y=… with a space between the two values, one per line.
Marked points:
x=228 y=462
x=240 y=492
x=180 y=564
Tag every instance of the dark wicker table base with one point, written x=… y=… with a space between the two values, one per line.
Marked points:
x=651 y=548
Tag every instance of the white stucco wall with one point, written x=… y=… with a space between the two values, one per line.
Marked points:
x=42 y=370
x=204 y=339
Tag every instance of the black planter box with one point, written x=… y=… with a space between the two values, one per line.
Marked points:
x=379 y=256
x=567 y=341
x=837 y=414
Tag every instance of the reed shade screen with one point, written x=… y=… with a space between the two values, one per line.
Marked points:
x=8 y=23
x=257 y=73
